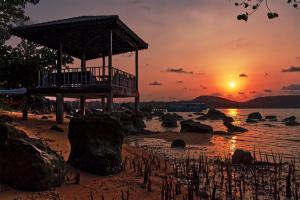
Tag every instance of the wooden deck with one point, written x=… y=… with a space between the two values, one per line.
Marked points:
x=91 y=82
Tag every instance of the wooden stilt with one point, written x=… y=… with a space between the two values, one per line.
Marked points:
x=103 y=104
x=59 y=108
x=25 y=107
x=109 y=102
x=82 y=105
x=137 y=99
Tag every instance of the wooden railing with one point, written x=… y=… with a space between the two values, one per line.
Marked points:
x=91 y=76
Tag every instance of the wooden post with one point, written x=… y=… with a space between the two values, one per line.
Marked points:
x=110 y=95
x=103 y=66
x=25 y=107
x=137 y=98
x=103 y=103
x=109 y=103
x=59 y=64
x=110 y=59
x=83 y=69
x=59 y=97
x=59 y=108
x=82 y=105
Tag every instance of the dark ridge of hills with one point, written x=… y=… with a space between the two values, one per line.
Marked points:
x=284 y=101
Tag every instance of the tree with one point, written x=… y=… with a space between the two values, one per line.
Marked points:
x=19 y=65
x=251 y=6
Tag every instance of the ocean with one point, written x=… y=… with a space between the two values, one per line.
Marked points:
x=275 y=139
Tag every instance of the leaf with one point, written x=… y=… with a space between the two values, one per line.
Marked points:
x=243 y=17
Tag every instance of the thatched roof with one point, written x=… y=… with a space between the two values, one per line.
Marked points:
x=89 y=32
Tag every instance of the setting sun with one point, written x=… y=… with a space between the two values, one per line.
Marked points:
x=232 y=84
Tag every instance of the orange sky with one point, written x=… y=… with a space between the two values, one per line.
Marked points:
x=202 y=37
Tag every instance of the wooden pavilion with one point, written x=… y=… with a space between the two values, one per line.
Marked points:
x=85 y=38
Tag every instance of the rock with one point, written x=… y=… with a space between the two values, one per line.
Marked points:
x=213 y=114
x=251 y=121
x=178 y=143
x=56 y=128
x=255 y=116
x=271 y=118
x=96 y=144
x=44 y=117
x=195 y=127
x=178 y=117
x=228 y=119
x=26 y=163
x=131 y=121
x=232 y=128
x=291 y=118
x=270 y=125
x=190 y=115
x=6 y=119
x=292 y=123
x=169 y=120
x=198 y=113
x=221 y=133
x=242 y=157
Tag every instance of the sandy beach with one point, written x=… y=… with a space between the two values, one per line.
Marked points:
x=110 y=187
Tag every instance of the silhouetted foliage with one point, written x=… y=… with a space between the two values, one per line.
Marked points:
x=19 y=65
x=251 y=6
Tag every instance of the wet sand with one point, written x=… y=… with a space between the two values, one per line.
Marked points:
x=108 y=186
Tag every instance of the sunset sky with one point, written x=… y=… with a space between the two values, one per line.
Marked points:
x=197 y=47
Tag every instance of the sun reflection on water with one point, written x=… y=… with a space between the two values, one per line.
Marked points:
x=232 y=144
x=232 y=112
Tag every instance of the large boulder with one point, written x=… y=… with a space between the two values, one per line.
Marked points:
x=213 y=114
x=292 y=123
x=233 y=128
x=255 y=116
x=195 y=127
x=242 y=157
x=96 y=144
x=169 y=120
x=26 y=163
x=5 y=119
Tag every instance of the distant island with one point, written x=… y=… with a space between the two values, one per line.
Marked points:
x=283 y=101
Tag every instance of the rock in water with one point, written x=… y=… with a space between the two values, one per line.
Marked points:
x=213 y=114
x=255 y=116
x=169 y=120
x=271 y=118
x=96 y=144
x=291 y=118
x=232 y=128
x=178 y=143
x=292 y=123
x=26 y=163
x=242 y=157
x=195 y=127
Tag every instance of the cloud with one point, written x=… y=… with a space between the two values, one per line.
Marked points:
x=253 y=92
x=292 y=87
x=243 y=75
x=217 y=94
x=179 y=70
x=266 y=74
x=298 y=58
x=155 y=83
x=241 y=93
x=268 y=91
x=200 y=74
x=292 y=69
x=179 y=82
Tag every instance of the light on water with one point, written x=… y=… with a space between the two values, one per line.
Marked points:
x=278 y=138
